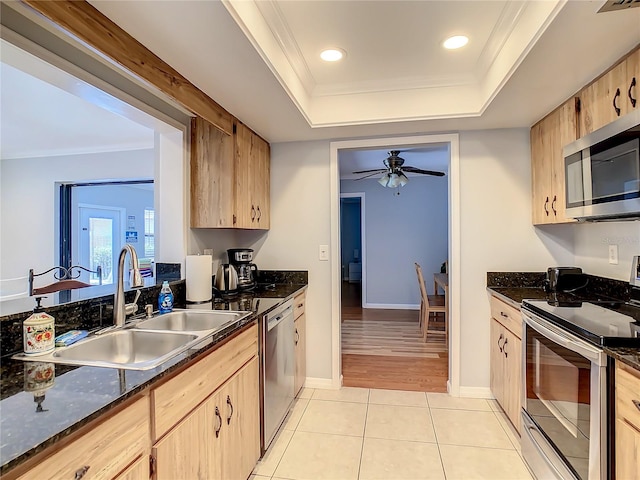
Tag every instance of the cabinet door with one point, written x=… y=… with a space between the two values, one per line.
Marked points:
x=240 y=449
x=300 y=325
x=627 y=451
x=252 y=179
x=212 y=176
x=548 y=137
x=632 y=87
x=192 y=449
x=496 y=379
x=512 y=351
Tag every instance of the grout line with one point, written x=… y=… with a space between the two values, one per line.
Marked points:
x=292 y=435
x=364 y=430
x=435 y=434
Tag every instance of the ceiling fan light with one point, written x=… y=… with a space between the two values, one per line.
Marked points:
x=403 y=179
x=384 y=181
x=394 y=180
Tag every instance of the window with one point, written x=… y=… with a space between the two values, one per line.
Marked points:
x=149 y=233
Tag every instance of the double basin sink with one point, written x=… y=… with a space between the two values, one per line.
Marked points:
x=146 y=343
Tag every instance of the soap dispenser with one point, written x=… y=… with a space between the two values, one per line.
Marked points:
x=38 y=332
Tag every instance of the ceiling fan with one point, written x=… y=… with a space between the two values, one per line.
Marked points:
x=394 y=173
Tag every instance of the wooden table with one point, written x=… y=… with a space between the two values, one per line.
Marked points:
x=442 y=280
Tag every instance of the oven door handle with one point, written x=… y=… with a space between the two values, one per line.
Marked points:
x=556 y=335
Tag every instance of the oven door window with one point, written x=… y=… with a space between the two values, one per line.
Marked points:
x=558 y=398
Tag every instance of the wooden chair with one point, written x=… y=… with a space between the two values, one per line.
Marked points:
x=429 y=304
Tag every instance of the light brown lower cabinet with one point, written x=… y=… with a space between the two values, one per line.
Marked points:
x=104 y=452
x=627 y=442
x=505 y=358
x=300 y=332
x=220 y=439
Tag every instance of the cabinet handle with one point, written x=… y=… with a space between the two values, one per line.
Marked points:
x=631 y=85
x=259 y=212
x=546 y=210
x=615 y=97
x=297 y=336
x=504 y=347
x=553 y=205
x=636 y=403
x=81 y=472
x=500 y=346
x=231 y=406
x=300 y=305
x=219 y=422
x=253 y=213
x=502 y=314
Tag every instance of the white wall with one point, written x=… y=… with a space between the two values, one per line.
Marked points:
x=29 y=207
x=401 y=230
x=496 y=234
x=592 y=242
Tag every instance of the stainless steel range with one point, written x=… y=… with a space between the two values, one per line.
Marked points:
x=565 y=399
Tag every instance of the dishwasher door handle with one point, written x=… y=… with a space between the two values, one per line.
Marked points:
x=273 y=322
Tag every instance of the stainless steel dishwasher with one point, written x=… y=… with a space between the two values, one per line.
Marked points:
x=278 y=369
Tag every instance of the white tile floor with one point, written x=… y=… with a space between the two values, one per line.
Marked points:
x=367 y=434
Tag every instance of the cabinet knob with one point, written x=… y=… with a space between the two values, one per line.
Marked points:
x=231 y=407
x=631 y=85
x=218 y=422
x=81 y=472
x=615 y=97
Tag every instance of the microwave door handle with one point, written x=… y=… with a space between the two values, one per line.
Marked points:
x=586 y=177
x=575 y=345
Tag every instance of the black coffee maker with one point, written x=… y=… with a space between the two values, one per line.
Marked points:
x=241 y=258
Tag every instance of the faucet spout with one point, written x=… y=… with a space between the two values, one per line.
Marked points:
x=119 y=307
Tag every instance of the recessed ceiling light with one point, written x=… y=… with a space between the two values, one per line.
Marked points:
x=457 y=41
x=332 y=54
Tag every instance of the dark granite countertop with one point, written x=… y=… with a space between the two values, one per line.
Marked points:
x=32 y=420
x=514 y=287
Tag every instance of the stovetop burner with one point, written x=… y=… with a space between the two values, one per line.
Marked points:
x=601 y=321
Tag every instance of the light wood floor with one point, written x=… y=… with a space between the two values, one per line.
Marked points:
x=384 y=348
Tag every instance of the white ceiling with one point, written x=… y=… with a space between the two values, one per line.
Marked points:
x=259 y=59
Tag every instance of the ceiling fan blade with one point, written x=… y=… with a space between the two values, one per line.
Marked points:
x=367 y=176
x=377 y=170
x=423 y=172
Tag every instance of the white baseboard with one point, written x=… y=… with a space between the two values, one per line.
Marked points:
x=476 y=392
x=322 y=383
x=392 y=306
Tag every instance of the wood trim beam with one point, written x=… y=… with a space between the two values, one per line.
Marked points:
x=89 y=25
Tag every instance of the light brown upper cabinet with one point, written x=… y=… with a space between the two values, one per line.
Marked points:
x=212 y=176
x=229 y=177
x=548 y=137
x=252 y=173
x=611 y=96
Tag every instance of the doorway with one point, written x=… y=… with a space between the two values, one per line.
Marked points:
x=99 y=240
x=352 y=253
x=453 y=233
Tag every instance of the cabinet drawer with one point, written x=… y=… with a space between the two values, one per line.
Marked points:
x=298 y=305
x=507 y=315
x=104 y=451
x=628 y=392
x=174 y=399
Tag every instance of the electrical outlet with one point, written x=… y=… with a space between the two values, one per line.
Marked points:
x=613 y=254
x=323 y=252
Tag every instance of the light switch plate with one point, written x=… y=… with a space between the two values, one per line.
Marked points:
x=323 y=252
x=613 y=254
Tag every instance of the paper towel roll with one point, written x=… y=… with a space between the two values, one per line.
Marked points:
x=198 y=278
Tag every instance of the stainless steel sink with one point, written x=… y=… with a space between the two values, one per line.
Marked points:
x=127 y=349
x=192 y=320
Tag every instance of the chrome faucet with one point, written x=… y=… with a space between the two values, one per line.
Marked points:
x=120 y=309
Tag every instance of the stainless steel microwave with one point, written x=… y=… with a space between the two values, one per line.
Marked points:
x=602 y=172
